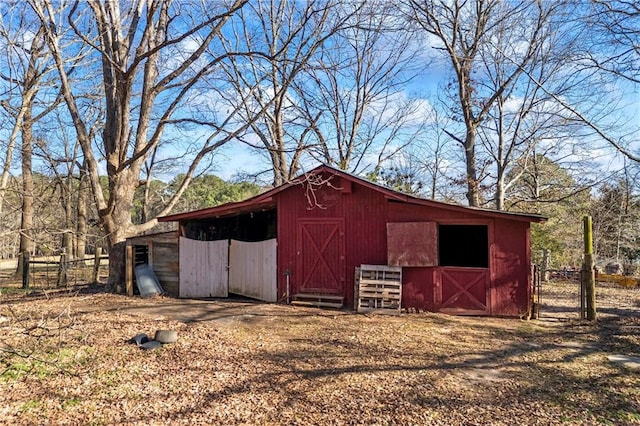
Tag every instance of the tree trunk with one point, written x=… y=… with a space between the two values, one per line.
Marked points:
x=117 y=267
x=473 y=190
x=500 y=192
x=67 y=234
x=26 y=224
x=117 y=225
x=81 y=226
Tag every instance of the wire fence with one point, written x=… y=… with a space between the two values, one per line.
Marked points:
x=63 y=272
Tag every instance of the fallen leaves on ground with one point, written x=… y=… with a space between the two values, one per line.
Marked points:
x=65 y=359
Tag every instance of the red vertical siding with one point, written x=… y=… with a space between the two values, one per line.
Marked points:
x=509 y=260
x=364 y=213
x=420 y=288
x=417 y=289
x=511 y=269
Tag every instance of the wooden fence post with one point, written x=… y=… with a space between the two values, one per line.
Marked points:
x=62 y=269
x=589 y=278
x=129 y=263
x=25 y=269
x=96 y=264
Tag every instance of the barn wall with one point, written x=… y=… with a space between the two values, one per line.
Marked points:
x=364 y=212
x=417 y=283
x=403 y=212
x=509 y=260
x=511 y=269
x=417 y=289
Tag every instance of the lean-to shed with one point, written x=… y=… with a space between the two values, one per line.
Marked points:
x=158 y=249
x=305 y=239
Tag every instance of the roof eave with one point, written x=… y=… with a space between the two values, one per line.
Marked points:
x=224 y=210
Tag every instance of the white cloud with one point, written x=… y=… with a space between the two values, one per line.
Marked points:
x=414 y=111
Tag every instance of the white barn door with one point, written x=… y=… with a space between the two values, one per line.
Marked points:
x=204 y=268
x=253 y=269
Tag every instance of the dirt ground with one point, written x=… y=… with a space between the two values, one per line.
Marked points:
x=65 y=359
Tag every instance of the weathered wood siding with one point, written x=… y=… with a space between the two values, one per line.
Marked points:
x=166 y=266
x=163 y=258
x=203 y=268
x=253 y=270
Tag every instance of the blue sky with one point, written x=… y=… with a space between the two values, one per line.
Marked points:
x=236 y=158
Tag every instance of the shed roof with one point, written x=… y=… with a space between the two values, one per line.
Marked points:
x=266 y=201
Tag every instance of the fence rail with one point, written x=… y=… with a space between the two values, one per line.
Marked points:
x=576 y=274
x=63 y=272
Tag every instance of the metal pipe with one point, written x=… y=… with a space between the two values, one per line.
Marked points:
x=288 y=274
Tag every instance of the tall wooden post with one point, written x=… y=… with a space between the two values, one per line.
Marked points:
x=62 y=269
x=129 y=266
x=588 y=273
x=583 y=290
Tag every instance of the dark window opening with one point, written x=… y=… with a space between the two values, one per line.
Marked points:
x=249 y=227
x=463 y=245
x=140 y=257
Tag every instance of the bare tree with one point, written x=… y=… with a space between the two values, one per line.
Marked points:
x=465 y=31
x=615 y=38
x=353 y=95
x=432 y=155
x=22 y=77
x=28 y=76
x=605 y=59
x=292 y=32
x=61 y=154
x=152 y=55
x=523 y=116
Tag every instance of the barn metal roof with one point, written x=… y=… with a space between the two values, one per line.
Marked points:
x=267 y=201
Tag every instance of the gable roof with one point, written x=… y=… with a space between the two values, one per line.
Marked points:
x=266 y=201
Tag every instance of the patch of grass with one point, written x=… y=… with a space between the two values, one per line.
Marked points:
x=71 y=402
x=14 y=371
x=44 y=365
x=111 y=378
x=33 y=404
x=14 y=290
x=23 y=368
x=628 y=416
x=622 y=416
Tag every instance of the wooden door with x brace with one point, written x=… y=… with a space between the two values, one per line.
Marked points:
x=320 y=249
x=462 y=290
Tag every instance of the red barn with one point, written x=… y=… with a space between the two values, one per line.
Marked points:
x=307 y=237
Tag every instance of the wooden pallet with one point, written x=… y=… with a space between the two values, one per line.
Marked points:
x=379 y=289
x=318 y=300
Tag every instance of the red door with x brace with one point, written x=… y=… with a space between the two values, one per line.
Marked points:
x=320 y=252
x=462 y=291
